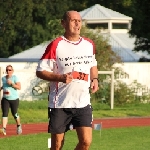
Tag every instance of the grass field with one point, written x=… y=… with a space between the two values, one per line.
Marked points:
x=136 y=138
x=36 y=111
x=133 y=138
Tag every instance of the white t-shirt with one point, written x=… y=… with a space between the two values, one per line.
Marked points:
x=63 y=56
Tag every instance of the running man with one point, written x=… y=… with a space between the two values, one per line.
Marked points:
x=69 y=64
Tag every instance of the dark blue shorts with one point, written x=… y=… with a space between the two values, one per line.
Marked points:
x=60 y=119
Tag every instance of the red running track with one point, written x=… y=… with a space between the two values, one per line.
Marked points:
x=106 y=123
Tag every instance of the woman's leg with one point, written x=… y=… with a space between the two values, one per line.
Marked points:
x=14 y=104
x=5 y=110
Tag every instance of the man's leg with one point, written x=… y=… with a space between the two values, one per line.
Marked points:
x=82 y=122
x=57 y=141
x=59 y=121
x=85 y=138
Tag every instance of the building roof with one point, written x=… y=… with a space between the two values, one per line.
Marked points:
x=32 y=53
x=99 y=12
x=123 y=45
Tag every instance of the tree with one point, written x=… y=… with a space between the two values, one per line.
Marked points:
x=55 y=28
x=79 y=5
x=141 y=25
x=15 y=18
x=122 y=6
x=24 y=24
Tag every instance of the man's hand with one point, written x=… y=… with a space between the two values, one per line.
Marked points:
x=94 y=86
x=67 y=78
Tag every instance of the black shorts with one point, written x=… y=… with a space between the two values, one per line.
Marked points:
x=60 y=119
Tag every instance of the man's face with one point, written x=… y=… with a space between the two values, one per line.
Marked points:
x=73 y=24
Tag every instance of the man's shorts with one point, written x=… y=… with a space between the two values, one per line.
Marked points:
x=60 y=119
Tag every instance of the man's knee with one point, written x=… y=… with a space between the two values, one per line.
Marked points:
x=57 y=145
x=85 y=142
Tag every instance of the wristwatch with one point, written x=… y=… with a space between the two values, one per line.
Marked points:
x=96 y=79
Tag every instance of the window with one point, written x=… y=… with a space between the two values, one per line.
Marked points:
x=119 y=26
x=98 y=25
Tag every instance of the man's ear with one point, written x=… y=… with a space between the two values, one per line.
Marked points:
x=63 y=23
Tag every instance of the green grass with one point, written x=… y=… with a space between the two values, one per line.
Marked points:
x=36 y=111
x=136 y=138
x=133 y=138
x=128 y=110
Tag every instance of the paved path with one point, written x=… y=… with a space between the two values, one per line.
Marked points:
x=106 y=123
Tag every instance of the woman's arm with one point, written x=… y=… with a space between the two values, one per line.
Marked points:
x=16 y=85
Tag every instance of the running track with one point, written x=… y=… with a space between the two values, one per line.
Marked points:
x=106 y=123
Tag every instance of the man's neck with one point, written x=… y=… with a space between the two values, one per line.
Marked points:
x=72 y=37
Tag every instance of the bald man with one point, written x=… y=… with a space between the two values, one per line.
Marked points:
x=69 y=64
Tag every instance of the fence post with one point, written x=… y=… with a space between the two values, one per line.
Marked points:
x=112 y=86
x=112 y=90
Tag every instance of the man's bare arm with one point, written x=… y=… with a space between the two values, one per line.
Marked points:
x=94 y=79
x=50 y=76
x=93 y=72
